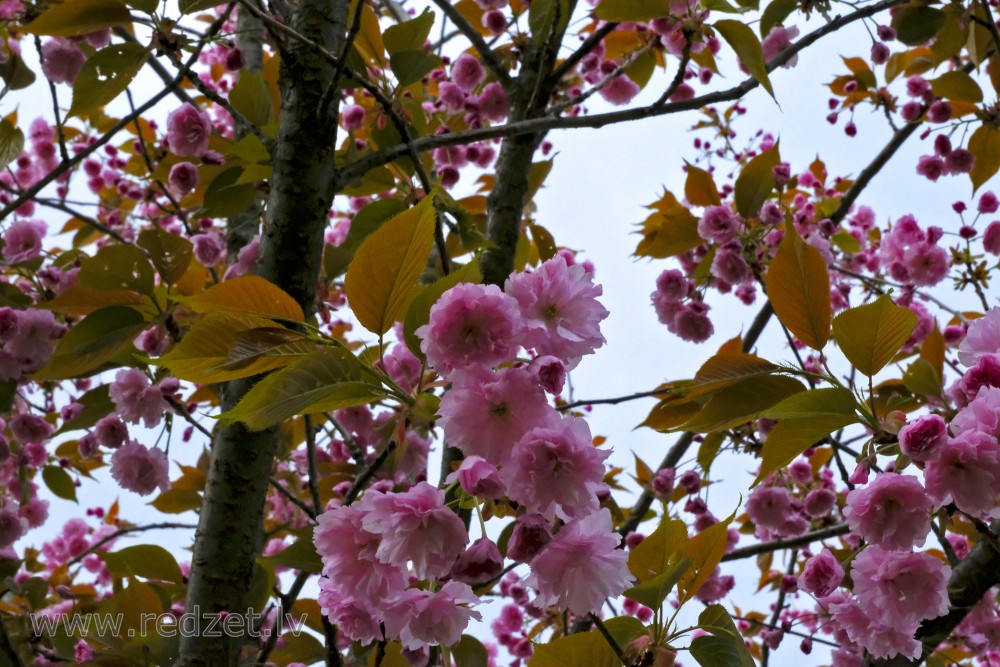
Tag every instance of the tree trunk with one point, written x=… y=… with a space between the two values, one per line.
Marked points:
x=303 y=184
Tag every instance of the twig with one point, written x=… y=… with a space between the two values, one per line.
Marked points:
x=607 y=636
x=292 y=498
x=126 y=531
x=478 y=43
x=786 y=543
x=368 y=473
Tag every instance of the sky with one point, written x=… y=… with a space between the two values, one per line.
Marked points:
x=592 y=201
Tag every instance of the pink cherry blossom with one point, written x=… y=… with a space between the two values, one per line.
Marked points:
x=183 y=177
x=555 y=470
x=620 y=90
x=23 y=241
x=12 y=525
x=967 y=472
x=991 y=238
x=981 y=414
x=111 y=432
x=425 y=618
x=470 y=325
x=209 y=249
x=493 y=102
x=983 y=337
x=486 y=413
x=467 y=72
x=480 y=563
x=559 y=306
x=900 y=588
x=550 y=372
x=352 y=116
x=985 y=373
x=822 y=574
x=774 y=513
x=135 y=400
x=530 y=535
x=892 y=511
x=348 y=553
x=188 y=130
x=922 y=439
x=353 y=615
x=718 y=223
x=416 y=526
x=478 y=477
x=875 y=636
x=139 y=469
x=62 y=60
x=581 y=566
x=30 y=429
x=778 y=39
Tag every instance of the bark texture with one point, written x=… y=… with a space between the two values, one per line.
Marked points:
x=303 y=183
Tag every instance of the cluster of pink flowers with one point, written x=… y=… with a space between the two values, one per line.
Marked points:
x=26 y=341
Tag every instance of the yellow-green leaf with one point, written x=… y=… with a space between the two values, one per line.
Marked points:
x=225 y=346
x=742 y=402
x=671 y=230
x=756 y=182
x=105 y=76
x=658 y=552
x=79 y=17
x=700 y=189
x=725 y=646
x=120 y=266
x=252 y=98
x=59 y=482
x=705 y=551
x=746 y=45
x=621 y=11
x=246 y=294
x=871 y=335
x=588 y=649
x=327 y=379
x=798 y=286
x=957 y=85
x=148 y=561
x=654 y=591
x=94 y=341
x=985 y=145
x=170 y=253
x=382 y=277
x=11 y=143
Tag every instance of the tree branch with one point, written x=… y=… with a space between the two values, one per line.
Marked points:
x=478 y=43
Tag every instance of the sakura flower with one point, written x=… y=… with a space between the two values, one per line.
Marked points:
x=493 y=102
x=478 y=477
x=111 y=432
x=62 y=60
x=139 y=469
x=480 y=563
x=893 y=512
x=470 y=325
x=581 y=566
x=416 y=526
x=774 y=513
x=778 y=39
x=922 y=439
x=135 y=400
x=353 y=117
x=550 y=372
x=718 y=223
x=209 y=249
x=900 y=588
x=183 y=177
x=878 y=638
x=556 y=470
x=467 y=72
x=348 y=553
x=188 y=130
x=620 y=90
x=981 y=414
x=822 y=574
x=530 y=535
x=30 y=429
x=485 y=413
x=353 y=615
x=560 y=310
x=967 y=472
x=983 y=337
x=12 y=526
x=424 y=618
x=23 y=241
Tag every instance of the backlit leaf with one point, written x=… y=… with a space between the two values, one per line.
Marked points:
x=756 y=182
x=798 y=286
x=621 y=11
x=79 y=17
x=742 y=402
x=105 y=76
x=725 y=646
x=746 y=45
x=94 y=341
x=381 y=279
x=871 y=335
x=985 y=145
x=11 y=142
x=700 y=189
x=247 y=294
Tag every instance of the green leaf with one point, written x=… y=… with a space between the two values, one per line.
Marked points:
x=226 y=346
x=300 y=555
x=916 y=24
x=327 y=379
x=658 y=553
x=921 y=378
x=382 y=278
x=337 y=258
x=653 y=592
x=225 y=196
x=620 y=11
x=410 y=66
x=588 y=649
x=96 y=403
x=546 y=17
x=59 y=482
x=726 y=369
x=470 y=652
x=419 y=311
x=94 y=341
x=252 y=98
x=806 y=418
x=957 y=85
x=15 y=73
x=117 y=267
x=742 y=402
x=105 y=76
x=871 y=335
x=725 y=647
x=79 y=17
x=409 y=35
x=148 y=561
x=798 y=286
x=247 y=294
x=775 y=14
x=747 y=47
x=705 y=551
x=170 y=253
x=11 y=143
x=985 y=145
x=756 y=182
